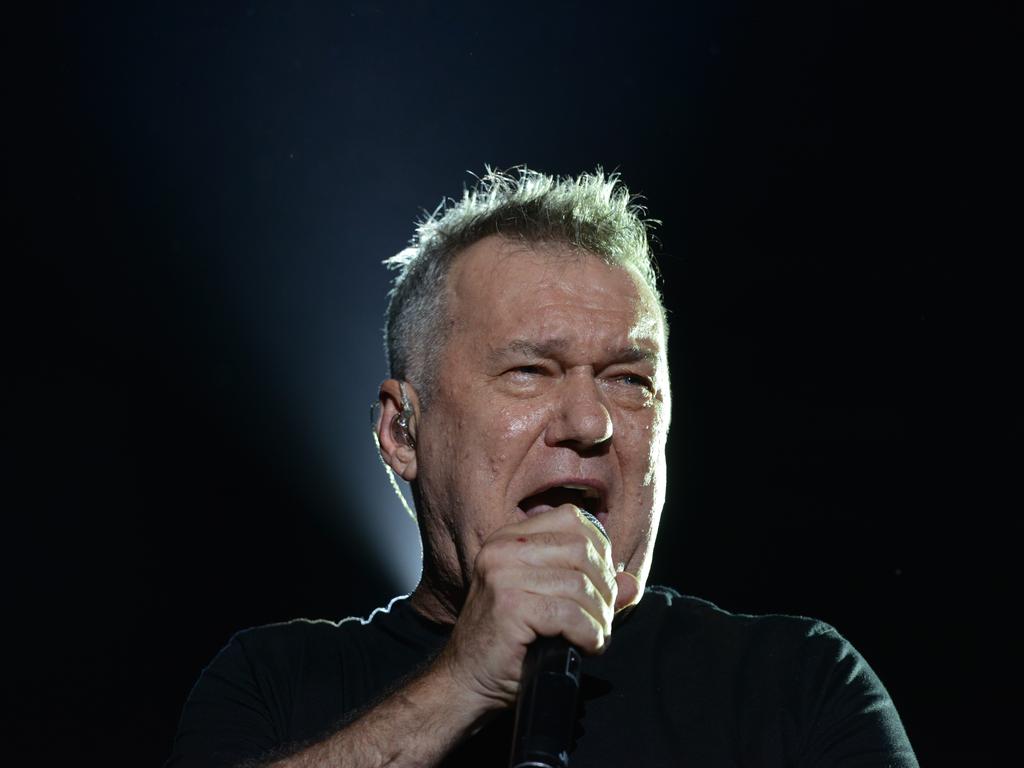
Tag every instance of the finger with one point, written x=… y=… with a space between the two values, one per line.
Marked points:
x=552 y=616
x=562 y=583
x=629 y=590
x=597 y=533
x=568 y=519
x=556 y=549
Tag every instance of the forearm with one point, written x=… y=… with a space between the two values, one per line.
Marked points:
x=416 y=725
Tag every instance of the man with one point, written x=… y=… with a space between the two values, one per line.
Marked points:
x=529 y=380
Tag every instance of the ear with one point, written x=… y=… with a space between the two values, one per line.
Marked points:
x=398 y=454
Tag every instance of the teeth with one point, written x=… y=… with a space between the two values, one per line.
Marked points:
x=588 y=492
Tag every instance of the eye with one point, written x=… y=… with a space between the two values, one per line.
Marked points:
x=528 y=379
x=526 y=375
x=636 y=380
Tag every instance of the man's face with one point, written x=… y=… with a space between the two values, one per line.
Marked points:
x=553 y=388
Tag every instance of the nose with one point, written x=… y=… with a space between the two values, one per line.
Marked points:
x=581 y=420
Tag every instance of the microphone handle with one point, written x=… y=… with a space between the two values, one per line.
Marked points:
x=546 y=708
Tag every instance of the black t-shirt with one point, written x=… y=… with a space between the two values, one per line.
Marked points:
x=683 y=683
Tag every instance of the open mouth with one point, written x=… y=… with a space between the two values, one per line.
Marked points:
x=587 y=497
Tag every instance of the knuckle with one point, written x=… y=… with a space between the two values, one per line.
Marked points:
x=590 y=632
x=485 y=557
x=582 y=548
x=493 y=555
x=609 y=579
x=499 y=547
x=568 y=514
x=537 y=613
x=554 y=608
x=549 y=539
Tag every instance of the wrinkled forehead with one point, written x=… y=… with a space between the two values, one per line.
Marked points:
x=497 y=282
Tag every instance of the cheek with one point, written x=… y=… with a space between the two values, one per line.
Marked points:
x=657 y=466
x=642 y=447
x=518 y=424
x=496 y=443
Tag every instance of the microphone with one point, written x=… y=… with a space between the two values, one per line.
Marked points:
x=546 y=709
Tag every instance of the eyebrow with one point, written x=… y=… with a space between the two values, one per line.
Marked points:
x=631 y=353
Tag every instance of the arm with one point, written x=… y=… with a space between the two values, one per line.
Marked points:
x=548 y=575
x=414 y=726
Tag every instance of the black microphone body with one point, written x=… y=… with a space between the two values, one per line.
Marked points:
x=546 y=708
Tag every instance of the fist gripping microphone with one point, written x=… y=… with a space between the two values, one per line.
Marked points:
x=546 y=709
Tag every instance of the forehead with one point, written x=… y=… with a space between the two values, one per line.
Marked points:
x=499 y=289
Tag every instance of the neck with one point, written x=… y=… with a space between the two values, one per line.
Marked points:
x=433 y=601
x=442 y=589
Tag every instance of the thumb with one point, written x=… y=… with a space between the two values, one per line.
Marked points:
x=629 y=590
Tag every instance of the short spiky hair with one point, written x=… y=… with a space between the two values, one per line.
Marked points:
x=592 y=211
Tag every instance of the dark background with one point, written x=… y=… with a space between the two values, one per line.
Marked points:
x=192 y=298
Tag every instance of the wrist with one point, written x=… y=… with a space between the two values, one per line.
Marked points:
x=459 y=693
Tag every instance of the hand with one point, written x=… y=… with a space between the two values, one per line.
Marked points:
x=549 y=575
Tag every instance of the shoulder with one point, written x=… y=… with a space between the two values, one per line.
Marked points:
x=784 y=655
x=693 y=615
x=292 y=682
x=794 y=667
x=287 y=637
x=779 y=645
x=302 y=641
